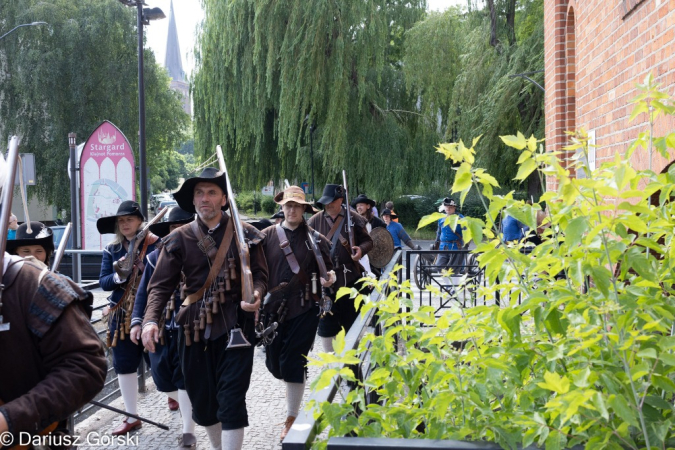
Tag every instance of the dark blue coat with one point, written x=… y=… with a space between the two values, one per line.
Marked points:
x=112 y=253
x=142 y=293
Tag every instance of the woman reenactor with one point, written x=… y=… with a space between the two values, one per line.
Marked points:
x=164 y=361
x=121 y=269
x=38 y=243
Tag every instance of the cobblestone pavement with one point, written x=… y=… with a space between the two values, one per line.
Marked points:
x=266 y=404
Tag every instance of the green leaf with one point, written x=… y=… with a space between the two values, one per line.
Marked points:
x=462 y=178
x=525 y=169
x=429 y=219
x=555 y=382
x=621 y=407
x=599 y=404
x=647 y=353
x=575 y=231
x=664 y=383
x=518 y=142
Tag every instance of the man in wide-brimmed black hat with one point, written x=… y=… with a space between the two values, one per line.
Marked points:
x=164 y=362
x=331 y=222
x=293 y=302
x=217 y=373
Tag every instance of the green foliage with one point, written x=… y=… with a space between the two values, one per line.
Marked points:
x=449 y=62
x=249 y=201
x=578 y=349
x=268 y=204
x=72 y=74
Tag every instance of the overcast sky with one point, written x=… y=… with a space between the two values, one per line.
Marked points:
x=188 y=16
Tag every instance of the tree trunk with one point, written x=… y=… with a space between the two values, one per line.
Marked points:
x=511 y=21
x=493 y=23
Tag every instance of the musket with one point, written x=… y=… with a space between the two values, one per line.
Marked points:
x=242 y=246
x=350 y=229
x=123 y=267
x=133 y=416
x=62 y=247
x=7 y=194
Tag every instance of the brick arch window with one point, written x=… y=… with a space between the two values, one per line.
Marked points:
x=570 y=70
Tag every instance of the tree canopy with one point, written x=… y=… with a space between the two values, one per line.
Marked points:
x=72 y=74
x=383 y=82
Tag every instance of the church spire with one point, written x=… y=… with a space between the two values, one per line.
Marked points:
x=173 y=63
x=172 y=60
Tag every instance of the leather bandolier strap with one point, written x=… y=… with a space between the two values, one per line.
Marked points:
x=209 y=250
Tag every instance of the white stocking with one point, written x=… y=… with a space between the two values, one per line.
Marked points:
x=214 y=433
x=129 y=390
x=327 y=343
x=233 y=439
x=294 y=394
x=186 y=411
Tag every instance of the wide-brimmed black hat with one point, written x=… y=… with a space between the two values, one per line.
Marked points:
x=106 y=225
x=387 y=212
x=447 y=201
x=40 y=235
x=176 y=216
x=331 y=192
x=185 y=195
x=278 y=215
x=362 y=198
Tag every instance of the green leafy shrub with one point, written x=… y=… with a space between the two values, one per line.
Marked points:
x=411 y=210
x=268 y=205
x=248 y=201
x=575 y=343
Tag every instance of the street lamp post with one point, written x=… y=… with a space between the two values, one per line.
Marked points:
x=74 y=216
x=22 y=25
x=144 y=16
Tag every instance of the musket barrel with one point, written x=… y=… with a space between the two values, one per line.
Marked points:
x=350 y=230
x=242 y=246
x=62 y=247
x=7 y=195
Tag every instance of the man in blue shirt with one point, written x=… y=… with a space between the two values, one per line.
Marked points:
x=449 y=239
x=513 y=229
x=397 y=232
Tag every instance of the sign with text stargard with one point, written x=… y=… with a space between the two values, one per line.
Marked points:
x=107 y=178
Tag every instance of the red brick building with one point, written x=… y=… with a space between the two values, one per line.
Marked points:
x=596 y=52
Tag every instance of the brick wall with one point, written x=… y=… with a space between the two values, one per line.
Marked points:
x=596 y=51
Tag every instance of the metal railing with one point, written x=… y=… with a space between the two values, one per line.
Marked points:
x=305 y=428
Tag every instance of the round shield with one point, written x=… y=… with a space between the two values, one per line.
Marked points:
x=383 y=247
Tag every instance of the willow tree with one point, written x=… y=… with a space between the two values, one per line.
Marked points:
x=269 y=69
x=73 y=73
x=470 y=84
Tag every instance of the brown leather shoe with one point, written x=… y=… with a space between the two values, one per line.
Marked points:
x=173 y=404
x=287 y=427
x=125 y=427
